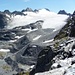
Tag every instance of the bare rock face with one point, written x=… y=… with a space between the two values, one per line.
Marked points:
x=3 y=20
x=63 y=12
x=44 y=60
x=72 y=34
x=18 y=13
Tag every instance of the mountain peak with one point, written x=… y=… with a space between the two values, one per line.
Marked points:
x=74 y=13
x=7 y=12
x=18 y=13
x=62 y=12
x=27 y=9
x=47 y=9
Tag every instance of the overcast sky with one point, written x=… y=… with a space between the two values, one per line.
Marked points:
x=52 y=5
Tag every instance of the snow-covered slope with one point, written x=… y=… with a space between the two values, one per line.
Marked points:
x=51 y=19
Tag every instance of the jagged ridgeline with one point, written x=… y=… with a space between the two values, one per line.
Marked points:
x=3 y=20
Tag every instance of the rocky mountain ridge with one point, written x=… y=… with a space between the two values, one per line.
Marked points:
x=7 y=15
x=63 y=12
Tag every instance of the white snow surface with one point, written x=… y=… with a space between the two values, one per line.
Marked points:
x=18 y=37
x=47 y=41
x=12 y=41
x=36 y=38
x=51 y=19
x=71 y=70
x=4 y=50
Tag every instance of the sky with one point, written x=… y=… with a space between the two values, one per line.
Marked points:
x=52 y=5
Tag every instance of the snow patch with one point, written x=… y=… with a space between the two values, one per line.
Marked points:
x=18 y=37
x=36 y=38
x=12 y=41
x=32 y=66
x=66 y=62
x=34 y=46
x=32 y=30
x=47 y=41
x=55 y=65
x=4 y=50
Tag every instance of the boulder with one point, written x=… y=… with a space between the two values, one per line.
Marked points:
x=44 y=60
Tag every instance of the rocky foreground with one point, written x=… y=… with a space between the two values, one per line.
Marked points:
x=32 y=50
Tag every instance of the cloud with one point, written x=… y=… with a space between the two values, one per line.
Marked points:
x=26 y=0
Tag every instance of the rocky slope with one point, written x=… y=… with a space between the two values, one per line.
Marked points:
x=64 y=62
x=30 y=41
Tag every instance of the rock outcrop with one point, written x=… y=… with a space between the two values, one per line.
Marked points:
x=63 y=12
x=3 y=20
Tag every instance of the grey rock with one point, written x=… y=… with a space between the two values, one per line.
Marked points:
x=3 y=20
